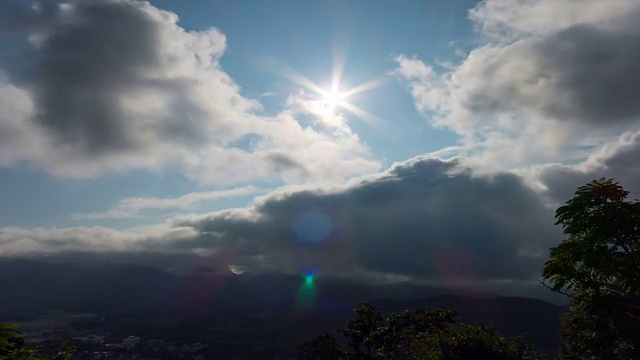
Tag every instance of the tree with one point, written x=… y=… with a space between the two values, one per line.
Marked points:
x=597 y=268
x=415 y=334
x=14 y=347
x=361 y=331
x=480 y=341
x=322 y=347
x=404 y=335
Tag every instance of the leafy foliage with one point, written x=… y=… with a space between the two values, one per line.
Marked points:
x=322 y=347
x=597 y=268
x=415 y=334
x=14 y=347
x=362 y=331
x=480 y=341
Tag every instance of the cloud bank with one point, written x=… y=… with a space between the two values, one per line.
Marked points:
x=424 y=219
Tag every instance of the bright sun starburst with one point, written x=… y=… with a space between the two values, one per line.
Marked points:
x=331 y=101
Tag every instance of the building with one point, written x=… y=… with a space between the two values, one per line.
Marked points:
x=130 y=342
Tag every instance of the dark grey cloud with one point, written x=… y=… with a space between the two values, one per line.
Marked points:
x=281 y=161
x=18 y=16
x=424 y=218
x=583 y=73
x=91 y=58
x=598 y=70
x=617 y=159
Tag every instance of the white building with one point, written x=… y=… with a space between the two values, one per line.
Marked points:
x=130 y=342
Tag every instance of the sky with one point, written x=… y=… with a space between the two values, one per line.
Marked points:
x=425 y=141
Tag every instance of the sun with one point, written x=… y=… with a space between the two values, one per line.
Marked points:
x=329 y=103
x=333 y=98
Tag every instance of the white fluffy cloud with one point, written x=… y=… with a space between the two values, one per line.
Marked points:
x=504 y=20
x=539 y=84
x=118 y=84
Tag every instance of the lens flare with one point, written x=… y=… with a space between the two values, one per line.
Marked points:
x=309 y=279
x=306 y=298
x=312 y=227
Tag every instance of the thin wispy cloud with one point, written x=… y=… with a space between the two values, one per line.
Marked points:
x=134 y=206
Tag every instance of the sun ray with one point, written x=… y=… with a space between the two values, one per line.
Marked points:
x=339 y=61
x=300 y=79
x=368 y=117
x=369 y=85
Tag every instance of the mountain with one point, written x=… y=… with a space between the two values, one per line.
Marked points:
x=240 y=312
x=32 y=288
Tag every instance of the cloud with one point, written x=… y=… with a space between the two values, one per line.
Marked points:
x=131 y=207
x=15 y=104
x=145 y=245
x=507 y=20
x=617 y=159
x=538 y=85
x=424 y=219
x=101 y=98
x=113 y=85
x=17 y=241
x=19 y=16
x=580 y=74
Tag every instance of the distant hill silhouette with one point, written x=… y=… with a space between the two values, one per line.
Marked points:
x=243 y=310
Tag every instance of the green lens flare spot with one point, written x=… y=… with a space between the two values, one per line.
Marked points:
x=306 y=297
x=309 y=278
